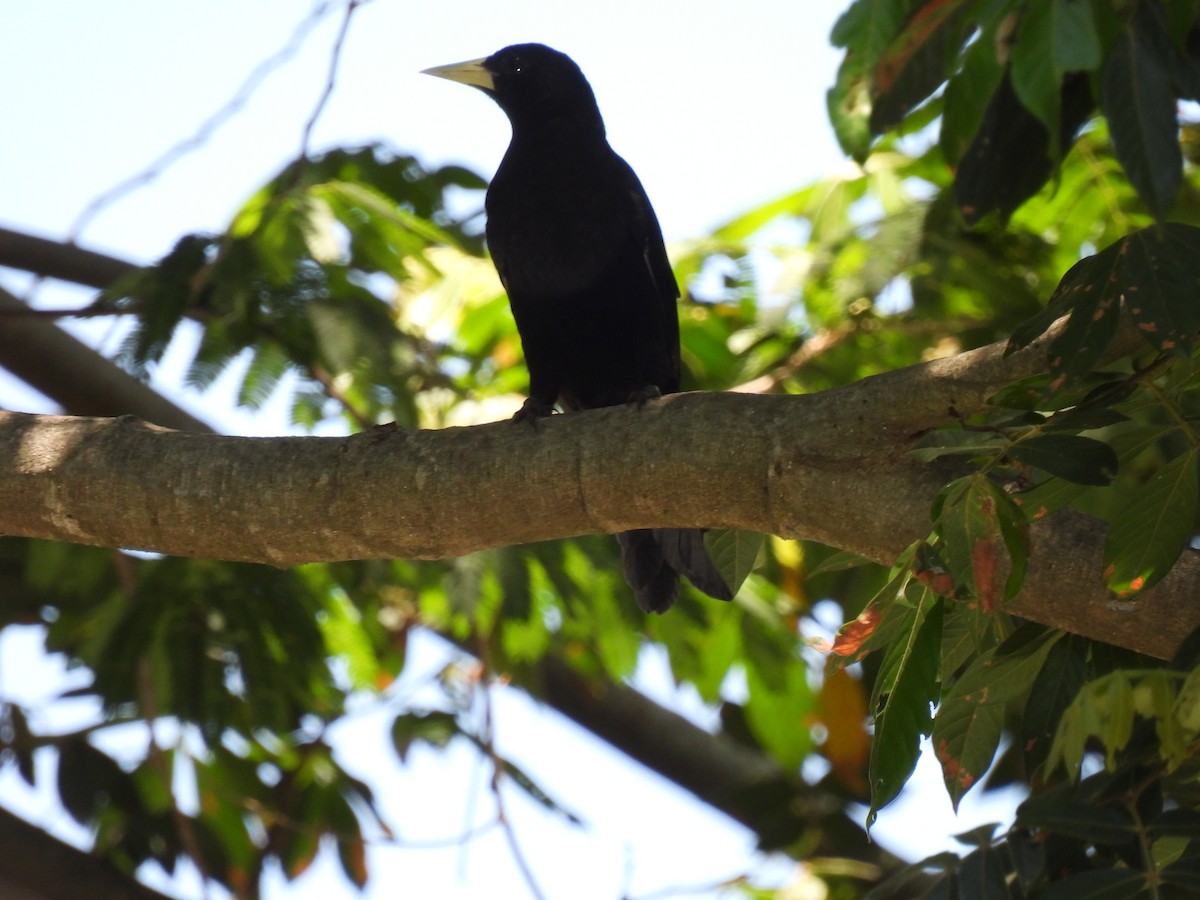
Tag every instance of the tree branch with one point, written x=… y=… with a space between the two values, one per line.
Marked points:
x=68 y=371
x=54 y=259
x=832 y=467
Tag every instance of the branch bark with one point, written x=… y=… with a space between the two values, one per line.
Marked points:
x=832 y=467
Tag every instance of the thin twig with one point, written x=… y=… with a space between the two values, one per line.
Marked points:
x=209 y=127
x=331 y=80
x=489 y=744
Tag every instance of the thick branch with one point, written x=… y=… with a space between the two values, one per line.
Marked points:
x=38 y=866
x=54 y=259
x=68 y=371
x=831 y=467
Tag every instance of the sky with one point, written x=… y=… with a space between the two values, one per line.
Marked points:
x=718 y=107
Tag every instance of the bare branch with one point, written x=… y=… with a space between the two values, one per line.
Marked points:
x=331 y=78
x=832 y=467
x=233 y=106
x=76 y=376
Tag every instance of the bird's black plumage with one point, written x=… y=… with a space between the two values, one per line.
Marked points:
x=580 y=253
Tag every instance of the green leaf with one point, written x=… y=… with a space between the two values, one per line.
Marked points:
x=1074 y=42
x=1147 y=535
x=1054 y=38
x=983 y=532
x=865 y=30
x=1078 y=459
x=1138 y=98
x=1035 y=77
x=970 y=719
x=905 y=691
x=342 y=628
x=734 y=552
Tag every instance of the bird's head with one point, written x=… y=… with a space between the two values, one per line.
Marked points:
x=532 y=83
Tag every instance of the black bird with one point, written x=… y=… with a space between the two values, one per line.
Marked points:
x=581 y=255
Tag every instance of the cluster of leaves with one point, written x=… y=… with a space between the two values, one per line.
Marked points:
x=1047 y=68
x=1128 y=829
x=1111 y=437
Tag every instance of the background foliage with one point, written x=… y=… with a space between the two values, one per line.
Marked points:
x=1018 y=162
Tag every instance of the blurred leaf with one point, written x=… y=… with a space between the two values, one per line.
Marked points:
x=843 y=710
x=435 y=728
x=779 y=710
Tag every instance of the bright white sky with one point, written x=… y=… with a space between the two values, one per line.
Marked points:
x=718 y=107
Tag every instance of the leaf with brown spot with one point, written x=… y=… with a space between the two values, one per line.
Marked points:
x=971 y=715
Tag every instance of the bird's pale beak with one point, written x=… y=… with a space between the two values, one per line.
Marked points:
x=471 y=72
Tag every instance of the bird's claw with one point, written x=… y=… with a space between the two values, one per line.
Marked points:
x=644 y=394
x=531 y=411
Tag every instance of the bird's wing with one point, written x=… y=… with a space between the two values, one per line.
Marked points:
x=654 y=253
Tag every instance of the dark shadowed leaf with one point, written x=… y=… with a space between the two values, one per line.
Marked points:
x=917 y=61
x=1183 y=873
x=1061 y=677
x=1057 y=810
x=1009 y=158
x=983 y=874
x=1071 y=456
x=1105 y=884
x=1138 y=98
x=1160 y=274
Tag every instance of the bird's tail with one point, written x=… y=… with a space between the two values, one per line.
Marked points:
x=654 y=558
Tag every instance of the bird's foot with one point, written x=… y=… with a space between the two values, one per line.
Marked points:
x=644 y=394
x=531 y=411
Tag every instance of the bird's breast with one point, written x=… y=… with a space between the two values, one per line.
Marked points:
x=554 y=228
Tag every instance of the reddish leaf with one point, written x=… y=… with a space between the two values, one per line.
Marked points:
x=852 y=635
